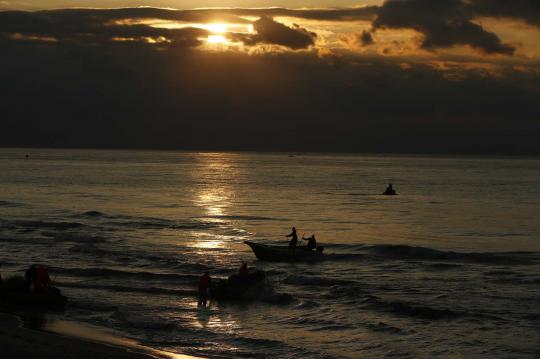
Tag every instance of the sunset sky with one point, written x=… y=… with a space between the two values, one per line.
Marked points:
x=396 y=76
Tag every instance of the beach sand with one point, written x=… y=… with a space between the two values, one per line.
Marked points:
x=68 y=340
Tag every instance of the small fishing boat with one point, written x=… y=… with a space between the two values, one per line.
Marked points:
x=273 y=253
x=15 y=293
x=52 y=299
x=239 y=287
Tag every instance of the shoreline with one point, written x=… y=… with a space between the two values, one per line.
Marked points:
x=70 y=339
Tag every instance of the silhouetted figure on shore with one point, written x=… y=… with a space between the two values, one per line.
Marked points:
x=244 y=269
x=39 y=277
x=390 y=191
x=294 y=238
x=30 y=275
x=311 y=242
x=204 y=284
x=43 y=281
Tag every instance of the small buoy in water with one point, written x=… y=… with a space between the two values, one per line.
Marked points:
x=26 y=156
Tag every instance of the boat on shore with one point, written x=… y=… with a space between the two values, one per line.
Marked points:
x=15 y=294
x=52 y=300
x=275 y=253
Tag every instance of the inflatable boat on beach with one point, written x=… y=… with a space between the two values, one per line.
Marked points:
x=273 y=253
x=15 y=293
x=49 y=300
x=238 y=287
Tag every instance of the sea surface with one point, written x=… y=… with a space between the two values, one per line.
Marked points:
x=449 y=268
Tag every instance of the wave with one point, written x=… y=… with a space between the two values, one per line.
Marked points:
x=36 y=224
x=125 y=289
x=77 y=238
x=491 y=234
x=145 y=222
x=308 y=304
x=92 y=214
x=347 y=246
x=10 y=204
x=91 y=306
x=44 y=224
x=315 y=324
x=242 y=218
x=143 y=321
x=278 y=298
x=410 y=310
x=345 y=257
x=442 y=266
x=383 y=327
x=424 y=253
x=115 y=273
x=160 y=224
x=315 y=281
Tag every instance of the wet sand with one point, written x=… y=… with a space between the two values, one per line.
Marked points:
x=68 y=340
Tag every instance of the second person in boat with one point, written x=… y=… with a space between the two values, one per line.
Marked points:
x=311 y=242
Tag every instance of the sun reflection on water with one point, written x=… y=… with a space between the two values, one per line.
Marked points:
x=215 y=197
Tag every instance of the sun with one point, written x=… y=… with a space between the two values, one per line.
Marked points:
x=217 y=28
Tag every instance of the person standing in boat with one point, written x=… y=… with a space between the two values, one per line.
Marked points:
x=204 y=284
x=294 y=239
x=311 y=242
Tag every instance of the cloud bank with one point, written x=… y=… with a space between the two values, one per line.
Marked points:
x=102 y=78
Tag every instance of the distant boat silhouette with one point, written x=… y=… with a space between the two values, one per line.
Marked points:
x=390 y=191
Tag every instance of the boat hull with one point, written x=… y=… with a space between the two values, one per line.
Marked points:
x=51 y=300
x=239 y=287
x=284 y=254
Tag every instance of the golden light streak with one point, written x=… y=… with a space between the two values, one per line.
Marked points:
x=217 y=39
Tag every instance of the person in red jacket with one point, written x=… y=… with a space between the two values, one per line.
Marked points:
x=43 y=281
x=204 y=284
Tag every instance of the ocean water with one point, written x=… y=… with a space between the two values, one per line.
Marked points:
x=449 y=268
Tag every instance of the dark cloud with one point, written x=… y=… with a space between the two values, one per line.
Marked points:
x=233 y=15
x=365 y=38
x=97 y=26
x=74 y=94
x=525 y=10
x=269 y=31
x=80 y=26
x=444 y=23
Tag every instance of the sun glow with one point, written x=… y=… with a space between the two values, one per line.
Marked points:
x=217 y=28
x=217 y=39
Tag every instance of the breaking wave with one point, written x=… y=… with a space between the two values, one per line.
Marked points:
x=126 y=289
x=315 y=281
x=115 y=273
x=29 y=224
x=424 y=253
x=410 y=310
